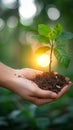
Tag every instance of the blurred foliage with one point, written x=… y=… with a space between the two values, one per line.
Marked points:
x=16 y=51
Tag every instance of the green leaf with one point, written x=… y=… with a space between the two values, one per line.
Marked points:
x=43 y=29
x=42 y=122
x=14 y=114
x=3 y=123
x=65 y=36
x=41 y=38
x=55 y=32
x=58 y=29
x=61 y=119
x=62 y=56
x=42 y=50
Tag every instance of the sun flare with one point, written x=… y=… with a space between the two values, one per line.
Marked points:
x=43 y=60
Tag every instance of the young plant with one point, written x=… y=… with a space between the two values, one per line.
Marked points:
x=54 y=38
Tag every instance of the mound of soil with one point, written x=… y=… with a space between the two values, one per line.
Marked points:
x=50 y=81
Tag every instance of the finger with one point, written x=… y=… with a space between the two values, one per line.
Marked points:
x=38 y=101
x=67 y=79
x=45 y=94
x=64 y=90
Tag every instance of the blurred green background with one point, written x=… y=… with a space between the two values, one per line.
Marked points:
x=19 y=20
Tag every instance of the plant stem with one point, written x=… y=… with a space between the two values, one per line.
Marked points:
x=51 y=56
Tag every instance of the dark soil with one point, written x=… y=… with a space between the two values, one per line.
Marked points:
x=51 y=81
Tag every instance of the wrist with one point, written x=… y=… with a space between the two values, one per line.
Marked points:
x=6 y=73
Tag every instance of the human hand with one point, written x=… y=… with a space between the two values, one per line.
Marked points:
x=28 y=90
x=33 y=93
x=65 y=88
x=19 y=81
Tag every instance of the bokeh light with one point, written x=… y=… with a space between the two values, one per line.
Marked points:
x=12 y=22
x=2 y=24
x=27 y=11
x=9 y=3
x=53 y=13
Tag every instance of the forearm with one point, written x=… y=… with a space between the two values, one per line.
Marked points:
x=9 y=79
x=5 y=74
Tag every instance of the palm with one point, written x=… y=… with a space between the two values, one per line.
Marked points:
x=31 y=73
x=27 y=89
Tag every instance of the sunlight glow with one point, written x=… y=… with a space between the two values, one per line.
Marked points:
x=53 y=13
x=43 y=60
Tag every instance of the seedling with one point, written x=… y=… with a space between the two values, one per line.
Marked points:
x=54 y=41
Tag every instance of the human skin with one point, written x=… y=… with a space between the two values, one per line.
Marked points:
x=20 y=82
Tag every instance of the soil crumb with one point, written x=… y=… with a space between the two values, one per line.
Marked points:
x=51 y=81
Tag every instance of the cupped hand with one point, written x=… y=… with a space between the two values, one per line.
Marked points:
x=31 y=92
x=28 y=90
x=20 y=82
x=64 y=90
